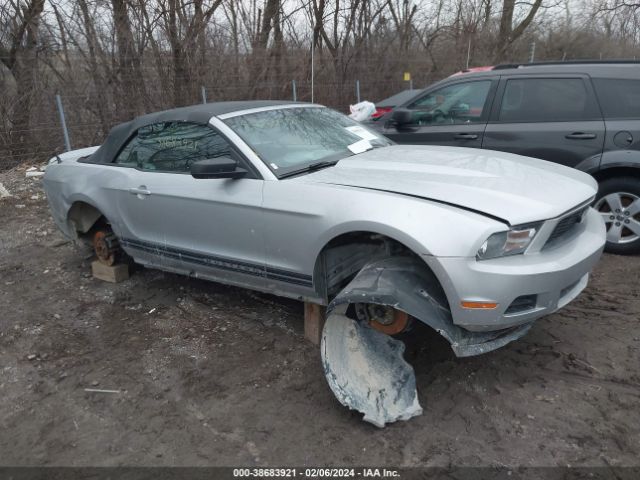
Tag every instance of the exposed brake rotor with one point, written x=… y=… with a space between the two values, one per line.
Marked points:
x=383 y=318
x=106 y=246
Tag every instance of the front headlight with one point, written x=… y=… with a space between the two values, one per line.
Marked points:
x=512 y=242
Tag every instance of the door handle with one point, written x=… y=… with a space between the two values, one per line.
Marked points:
x=580 y=136
x=141 y=190
x=466 y=136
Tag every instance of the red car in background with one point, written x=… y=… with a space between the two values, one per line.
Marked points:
x=385 y=106
x=473 y=70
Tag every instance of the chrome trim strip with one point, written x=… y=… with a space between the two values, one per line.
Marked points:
x=549 y=225
x=220 y=263
x=572 y=210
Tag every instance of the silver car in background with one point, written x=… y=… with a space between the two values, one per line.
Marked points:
x=300 y=201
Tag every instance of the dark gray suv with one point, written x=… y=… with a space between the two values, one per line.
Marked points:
x=584 y=115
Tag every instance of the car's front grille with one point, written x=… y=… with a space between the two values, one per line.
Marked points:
x=565 y=226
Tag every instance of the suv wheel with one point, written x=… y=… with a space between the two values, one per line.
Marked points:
x=618 y=202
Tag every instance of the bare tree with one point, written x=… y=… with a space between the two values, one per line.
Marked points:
x=403 y=13
x=20 y=56
x=509 y=31
x=114 y=59
x=128 y=70
x=185 y=26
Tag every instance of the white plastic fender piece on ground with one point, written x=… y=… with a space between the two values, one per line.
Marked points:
x=366 y=371
x=362 y=111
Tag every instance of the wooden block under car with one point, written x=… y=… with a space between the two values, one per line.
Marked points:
x=314 y=317
x=110 y=273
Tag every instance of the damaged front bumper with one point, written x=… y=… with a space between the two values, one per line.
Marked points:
x=407 y=284
x=365 y=368
x=548 y=279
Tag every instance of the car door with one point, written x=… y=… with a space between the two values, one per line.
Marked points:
x=455 y=114
x=206 y=227
x=553 y=118
x=620 y=102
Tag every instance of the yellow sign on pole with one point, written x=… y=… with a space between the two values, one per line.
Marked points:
x=407 y=76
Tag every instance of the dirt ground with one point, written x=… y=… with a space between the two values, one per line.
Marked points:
x=213 y=375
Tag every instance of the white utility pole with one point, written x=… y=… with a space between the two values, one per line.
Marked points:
x=312 y=72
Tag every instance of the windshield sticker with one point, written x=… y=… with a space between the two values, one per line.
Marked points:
x=359 y=147
x=274 y=166
x=362 y=132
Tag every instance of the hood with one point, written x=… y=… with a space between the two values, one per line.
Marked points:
x=506 y=186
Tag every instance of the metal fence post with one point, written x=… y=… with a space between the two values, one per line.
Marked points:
x=67 y=143
x=532 y=52
x=358 y=90
x=204 y=94
x=295 y=93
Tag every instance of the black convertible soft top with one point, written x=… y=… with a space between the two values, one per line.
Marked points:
x=201 y=114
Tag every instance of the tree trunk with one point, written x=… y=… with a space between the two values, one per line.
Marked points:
x=507 y=33
x=131 y=99
x=22 y=63
x=94 y=69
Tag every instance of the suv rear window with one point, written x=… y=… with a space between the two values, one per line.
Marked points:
x=546 y=100
x=618 y=98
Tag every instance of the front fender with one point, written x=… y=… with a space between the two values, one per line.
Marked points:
x=431 y=229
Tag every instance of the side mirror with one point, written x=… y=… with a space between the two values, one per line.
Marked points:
x=401 y=116
x=221 y=167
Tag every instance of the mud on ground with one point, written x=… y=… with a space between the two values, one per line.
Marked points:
x=214 y=375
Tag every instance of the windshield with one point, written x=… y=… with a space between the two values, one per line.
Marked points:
x=289 y=140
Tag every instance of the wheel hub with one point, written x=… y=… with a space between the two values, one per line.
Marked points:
x=621 y=214
x=383 y=318
x=105 y=246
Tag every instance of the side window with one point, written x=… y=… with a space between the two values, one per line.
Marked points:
x=455 y=104
x=172 y=147
x=547 y=100
x=618 y=98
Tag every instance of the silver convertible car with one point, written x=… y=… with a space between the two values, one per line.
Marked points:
x=300 y=201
